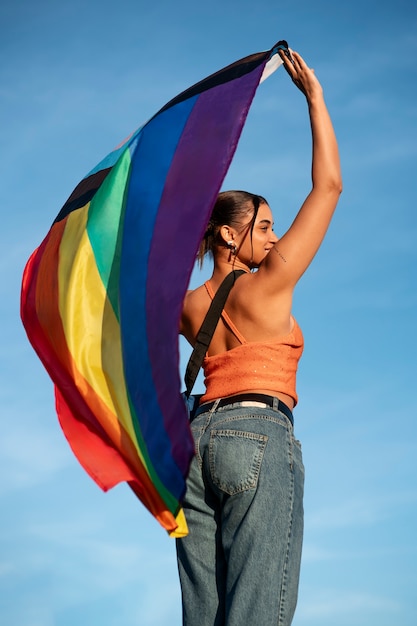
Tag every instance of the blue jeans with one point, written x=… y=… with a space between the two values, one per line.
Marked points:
x=240 y=563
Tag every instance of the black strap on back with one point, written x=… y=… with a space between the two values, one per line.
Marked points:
x=207 y=329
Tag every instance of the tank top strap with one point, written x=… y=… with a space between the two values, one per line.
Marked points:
x=225 y=316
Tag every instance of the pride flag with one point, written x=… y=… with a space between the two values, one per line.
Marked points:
x=102 y=294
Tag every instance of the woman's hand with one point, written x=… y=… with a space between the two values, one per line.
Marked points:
x=301 y=75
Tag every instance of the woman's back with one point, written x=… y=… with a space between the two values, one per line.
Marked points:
x=257 y=319
x=256 y=346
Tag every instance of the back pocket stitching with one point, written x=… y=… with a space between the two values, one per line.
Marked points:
x=249 y=475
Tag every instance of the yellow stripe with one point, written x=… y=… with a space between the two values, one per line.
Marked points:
x=87 y=316
x=182 y=529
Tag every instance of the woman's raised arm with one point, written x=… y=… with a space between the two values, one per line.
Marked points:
x=294 y=251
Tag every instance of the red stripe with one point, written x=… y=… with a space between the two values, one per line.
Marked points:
x=106 y=466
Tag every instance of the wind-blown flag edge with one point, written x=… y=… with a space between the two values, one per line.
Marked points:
x=96 y=312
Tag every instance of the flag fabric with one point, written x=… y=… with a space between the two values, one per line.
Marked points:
x=102 y=294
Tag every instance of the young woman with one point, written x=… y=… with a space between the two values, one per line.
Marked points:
x=240 y=563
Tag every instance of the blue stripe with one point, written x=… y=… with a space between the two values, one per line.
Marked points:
x=112 y=158
x=151 y=161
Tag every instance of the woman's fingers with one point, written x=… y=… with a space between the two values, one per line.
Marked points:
x=300 y=73
x=289 y=64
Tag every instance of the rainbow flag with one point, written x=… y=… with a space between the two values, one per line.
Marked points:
x=102 y=294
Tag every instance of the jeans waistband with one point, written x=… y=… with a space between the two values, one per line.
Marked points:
x=249 y=399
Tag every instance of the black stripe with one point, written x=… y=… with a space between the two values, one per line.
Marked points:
x=231 y=72
x=83 y=193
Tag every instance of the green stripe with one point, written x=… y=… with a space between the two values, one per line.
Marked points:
x=104 y=223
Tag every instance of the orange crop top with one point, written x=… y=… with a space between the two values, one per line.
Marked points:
x=254 y=365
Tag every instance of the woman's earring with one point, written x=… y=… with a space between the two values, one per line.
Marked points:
x=232 y=246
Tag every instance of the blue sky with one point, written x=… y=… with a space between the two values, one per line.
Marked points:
x=76 y=78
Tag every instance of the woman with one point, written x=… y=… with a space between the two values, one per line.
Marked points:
x=239 y=565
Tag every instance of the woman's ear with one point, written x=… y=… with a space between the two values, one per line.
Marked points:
x=227 y=234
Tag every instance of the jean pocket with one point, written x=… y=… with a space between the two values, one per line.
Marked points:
x=235 y=459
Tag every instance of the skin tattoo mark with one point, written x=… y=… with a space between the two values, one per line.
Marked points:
x=279 y=254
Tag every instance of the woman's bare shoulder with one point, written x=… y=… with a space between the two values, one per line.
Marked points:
x=194 y=297
x=259 y=312
x=195 y=307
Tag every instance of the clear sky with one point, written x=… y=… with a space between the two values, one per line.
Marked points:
x=75 y=79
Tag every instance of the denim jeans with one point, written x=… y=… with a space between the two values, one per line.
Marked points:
x=239 y=565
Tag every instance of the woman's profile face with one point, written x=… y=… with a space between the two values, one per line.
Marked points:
x=252 y=251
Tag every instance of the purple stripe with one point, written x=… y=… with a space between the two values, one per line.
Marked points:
x=197 y=171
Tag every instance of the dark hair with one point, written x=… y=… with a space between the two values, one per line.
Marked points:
x=230 y=209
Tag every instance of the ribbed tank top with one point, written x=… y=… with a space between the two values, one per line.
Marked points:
x=254 y=365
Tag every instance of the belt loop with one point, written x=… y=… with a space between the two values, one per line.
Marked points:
x=275 y=403
x=215 y=404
